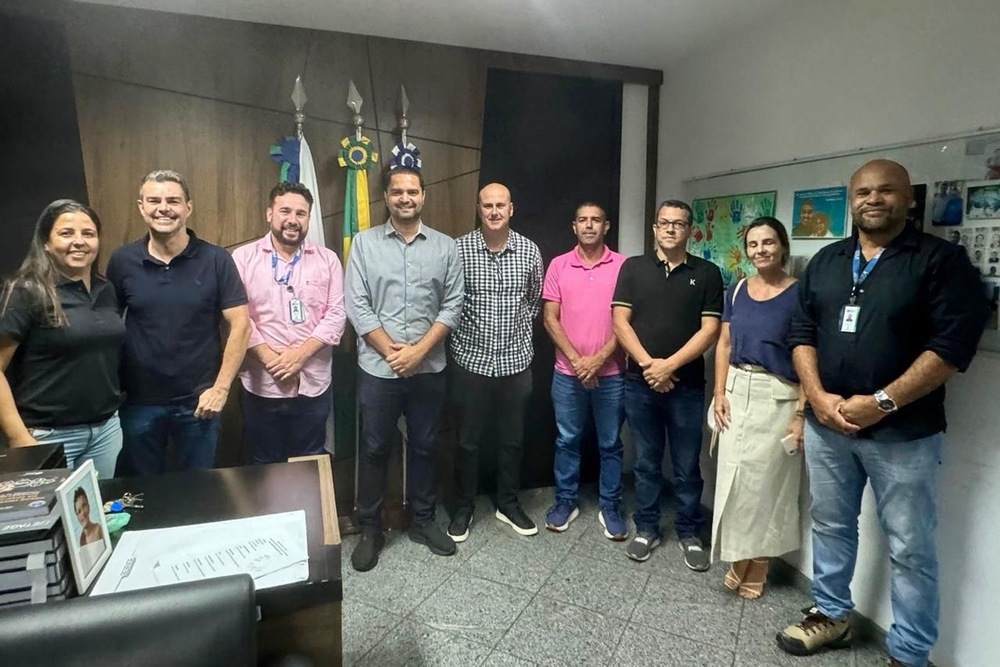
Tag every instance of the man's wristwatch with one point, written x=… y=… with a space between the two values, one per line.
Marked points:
x=885 y=403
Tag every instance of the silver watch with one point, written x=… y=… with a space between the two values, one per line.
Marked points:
x=885 y=402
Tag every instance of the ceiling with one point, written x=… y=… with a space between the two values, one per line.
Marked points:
x=642 y=33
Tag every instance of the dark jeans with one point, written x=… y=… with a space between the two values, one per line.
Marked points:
x=678 y=414
x=147 y=430
x=494 y=406
x=420 y=398
x=276 y=429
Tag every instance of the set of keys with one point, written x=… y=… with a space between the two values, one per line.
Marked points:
x=129 y=501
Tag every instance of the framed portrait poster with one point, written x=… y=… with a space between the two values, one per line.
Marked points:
x=86 y=530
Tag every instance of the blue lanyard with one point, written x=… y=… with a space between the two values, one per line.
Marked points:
x=291 y=265
x=859 y=275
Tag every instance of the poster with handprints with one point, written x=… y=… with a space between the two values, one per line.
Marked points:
x=719 y=227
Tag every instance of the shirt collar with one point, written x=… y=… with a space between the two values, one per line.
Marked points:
x=659 y=262
x=512 y=241
x=577 y=260
x=266 y=244
x=391 y=231
x=190 y=250
x=908 y=238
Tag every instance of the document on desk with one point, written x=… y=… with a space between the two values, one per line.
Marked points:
x=272 y=548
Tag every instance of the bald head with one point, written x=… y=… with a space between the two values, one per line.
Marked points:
x=880 y=196
x=884 y=168
x=495 y=208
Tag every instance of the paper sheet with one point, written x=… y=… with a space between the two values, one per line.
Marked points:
x=272 y=548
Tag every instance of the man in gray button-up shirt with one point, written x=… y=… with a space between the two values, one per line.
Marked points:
x=404 y=292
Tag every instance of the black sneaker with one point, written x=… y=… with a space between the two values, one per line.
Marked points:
x=515 y=517
x=433 y=538
x=365 y=555
x=695 y=556
x=458 y=529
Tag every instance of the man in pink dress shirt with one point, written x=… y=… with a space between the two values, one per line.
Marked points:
x=296 y=300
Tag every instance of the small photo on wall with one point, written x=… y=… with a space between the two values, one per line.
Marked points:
x=947 y=205
x=982 y=201
x=820 y=213
x=86 y=529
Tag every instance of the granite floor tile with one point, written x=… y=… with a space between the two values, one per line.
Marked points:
x=412 y=643
x=363 y=626
x=472 y=607
x=522 y=562
x=696 y=612
x=503 y=659
x=642 y=647
x=555 y=633
x=870 y=654
x=394 y=585
x=596 y=585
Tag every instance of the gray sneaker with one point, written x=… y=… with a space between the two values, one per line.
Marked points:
x=695 y=556
x=641 y=546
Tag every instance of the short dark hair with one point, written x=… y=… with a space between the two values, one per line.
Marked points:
x=675 y=203
x=389 y=173
x=166 y=176
x=289 y=187
x=592 y=204
x=779 y=229
x=80 y=493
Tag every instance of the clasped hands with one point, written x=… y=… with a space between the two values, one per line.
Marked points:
x=846 y=415
x=404 y=360
x=659 y=374
x=586 y=368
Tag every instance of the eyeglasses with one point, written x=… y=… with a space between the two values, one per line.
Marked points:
x=671 y=224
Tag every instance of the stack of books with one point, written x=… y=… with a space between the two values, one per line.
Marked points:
x=34 y=562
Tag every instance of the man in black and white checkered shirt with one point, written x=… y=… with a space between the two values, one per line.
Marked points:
x=492 y=351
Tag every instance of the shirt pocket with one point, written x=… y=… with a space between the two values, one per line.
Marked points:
x=314 y=294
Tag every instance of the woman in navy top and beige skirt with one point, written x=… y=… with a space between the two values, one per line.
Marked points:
x=758 y=415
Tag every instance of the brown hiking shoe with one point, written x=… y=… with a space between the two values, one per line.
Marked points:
x=815 y=633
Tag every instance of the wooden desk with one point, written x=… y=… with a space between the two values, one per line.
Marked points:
x=302 y=618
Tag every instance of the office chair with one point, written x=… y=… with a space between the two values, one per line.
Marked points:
x=208 y=623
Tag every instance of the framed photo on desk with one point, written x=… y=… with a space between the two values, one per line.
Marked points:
x=86 y=530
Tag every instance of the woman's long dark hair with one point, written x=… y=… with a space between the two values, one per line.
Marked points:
x=38 y=274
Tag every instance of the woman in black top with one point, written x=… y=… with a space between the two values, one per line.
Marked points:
x=60 y=343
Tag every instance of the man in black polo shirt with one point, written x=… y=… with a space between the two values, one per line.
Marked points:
x=884 y=319
x=666 y=310
x=177 y=291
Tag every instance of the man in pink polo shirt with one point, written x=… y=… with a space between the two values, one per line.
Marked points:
x=589 y=365
x=296 y=300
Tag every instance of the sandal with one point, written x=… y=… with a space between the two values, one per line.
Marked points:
x=754 y=587
x=734 y=577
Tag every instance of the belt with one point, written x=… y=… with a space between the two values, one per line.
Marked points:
x=751 y=368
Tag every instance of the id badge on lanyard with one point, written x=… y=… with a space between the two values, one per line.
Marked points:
x=851 y=313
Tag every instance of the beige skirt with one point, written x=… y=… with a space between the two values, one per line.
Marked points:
x=756 y=511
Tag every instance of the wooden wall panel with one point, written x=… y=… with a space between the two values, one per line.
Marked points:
x=221 y=148
x=232 y=61
x=446 y=86
x=440 y=161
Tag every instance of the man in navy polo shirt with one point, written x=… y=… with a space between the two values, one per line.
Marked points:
x=666 y=311
x=176 y=291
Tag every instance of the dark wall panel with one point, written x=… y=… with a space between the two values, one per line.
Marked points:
x=41 y=158
x=555 y=141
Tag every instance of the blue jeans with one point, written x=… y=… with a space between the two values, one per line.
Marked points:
x=678 y=415
x=904 y=477
x=573 y=406
x=149 y=428
x=100 y=442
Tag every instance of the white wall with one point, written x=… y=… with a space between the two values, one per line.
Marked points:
x=827 y=77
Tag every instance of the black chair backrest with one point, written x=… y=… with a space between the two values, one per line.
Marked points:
x=209 y=623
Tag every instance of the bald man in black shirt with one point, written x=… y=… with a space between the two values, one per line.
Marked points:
x=885 y=317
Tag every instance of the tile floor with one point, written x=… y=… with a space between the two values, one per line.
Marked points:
x=570 y=598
